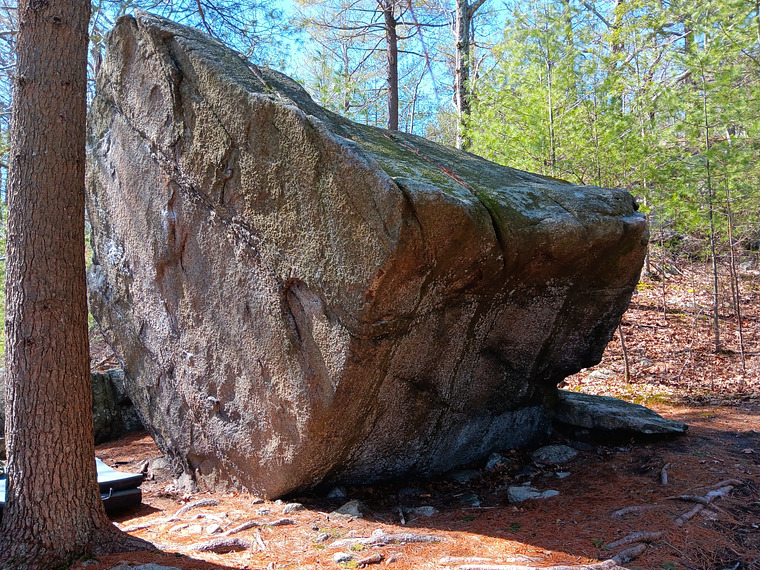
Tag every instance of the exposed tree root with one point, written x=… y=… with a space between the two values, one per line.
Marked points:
x=194 y=505
x=221 y=545
x=686 y=517
x=374 y=559
x=620 y=513
x=380 y=538
x=641 y=536
x=254 y=523
x=606 y=565
x=112 y=541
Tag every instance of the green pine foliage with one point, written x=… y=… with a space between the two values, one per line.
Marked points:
x=662 y=99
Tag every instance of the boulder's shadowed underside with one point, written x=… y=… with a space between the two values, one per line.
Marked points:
x=297 y=299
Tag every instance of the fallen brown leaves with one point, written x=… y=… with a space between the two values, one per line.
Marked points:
x=619 y=496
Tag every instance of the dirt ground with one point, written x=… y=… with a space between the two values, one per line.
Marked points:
x=674 y=369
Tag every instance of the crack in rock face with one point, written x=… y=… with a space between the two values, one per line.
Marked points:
x=299 y=300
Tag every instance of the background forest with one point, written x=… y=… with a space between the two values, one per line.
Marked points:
x=657 y=97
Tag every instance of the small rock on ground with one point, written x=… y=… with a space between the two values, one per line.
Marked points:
x=497 y=460
x=423 y=511
x=341 y=557
x=554 y=454
x=352 y=509
x=525 y=492
x=600 y=375
x=469 y=500
x=292 y=508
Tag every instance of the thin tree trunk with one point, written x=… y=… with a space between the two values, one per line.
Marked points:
x=53 y=509
x=413 y=109
x=662 y=253
x=711 y=217
x=735 y=276
x=391 y=40
x=552 y=148
x=626 y=362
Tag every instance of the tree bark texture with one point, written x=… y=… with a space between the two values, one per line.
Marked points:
x=464 y=13
x=391 y=39
x=53 y=510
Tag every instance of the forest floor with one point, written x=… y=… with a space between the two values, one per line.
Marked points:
x=674 y=369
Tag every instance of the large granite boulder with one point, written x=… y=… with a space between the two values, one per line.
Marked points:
x=297 y=299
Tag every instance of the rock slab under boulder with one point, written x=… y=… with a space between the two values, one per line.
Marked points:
x=606 y=414
x=301 y=300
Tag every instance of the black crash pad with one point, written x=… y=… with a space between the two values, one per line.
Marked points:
x=118 y=490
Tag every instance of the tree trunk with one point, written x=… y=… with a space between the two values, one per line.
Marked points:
x=463 y=23
x=735 y=277
x=53 y=509
x=391 y=39
x=550 y=104
x=462 y=70
x=711 y=218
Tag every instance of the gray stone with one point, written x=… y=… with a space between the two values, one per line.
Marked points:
x=469 y=500
x=610 y=414
x=600 y=375
x=352 y=508
x=342 y=557
x=554 y=454
x=153 y=566
x=161 y=468
x=496 y=460
x=292 y=508
x=525 y=492
x=423 y=511
x=185 y=482
x=300 y=300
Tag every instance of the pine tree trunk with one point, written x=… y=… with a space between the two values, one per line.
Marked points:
x=391 y=39
x=53 y=509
